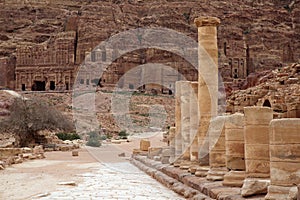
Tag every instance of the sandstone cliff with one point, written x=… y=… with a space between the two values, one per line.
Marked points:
x=265 y=33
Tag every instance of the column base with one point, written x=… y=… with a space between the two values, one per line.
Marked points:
x=280 y=192
x=234 y=178
x=202 y=171
x=216 y=174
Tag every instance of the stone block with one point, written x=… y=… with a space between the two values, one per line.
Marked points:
x=217 y=159
x=75 y=153
x=285 y=174
x=234 y=148
x=256 y=134
x=257 y=168
x=8 y=152
x=285 y=153
x=234 y=134
x=254 y=187
x=256 y=115
x=285 y=131
x=26 y=150
x=235 y=162
x=257 y=152
x=144 y=145
x=154 y=151
x=38 y=149
x=217 y=143
x=235 y=121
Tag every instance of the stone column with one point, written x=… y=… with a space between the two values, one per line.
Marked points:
x=217 y=159
x=284 y=158
x=257 y=158
x=208 y=79
x=185 y=87
x=172 y=132
x=194 y=121
x=178 y=138
x=235 y=156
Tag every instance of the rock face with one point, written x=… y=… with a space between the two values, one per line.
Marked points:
x=254 y=35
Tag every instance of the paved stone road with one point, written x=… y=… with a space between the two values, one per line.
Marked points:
x=114 y=180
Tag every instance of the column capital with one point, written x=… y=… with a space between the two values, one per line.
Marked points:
x=207 y=21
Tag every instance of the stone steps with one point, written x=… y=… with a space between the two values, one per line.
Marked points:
x=185 y=183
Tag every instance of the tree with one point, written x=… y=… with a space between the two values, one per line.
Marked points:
x=29 y=116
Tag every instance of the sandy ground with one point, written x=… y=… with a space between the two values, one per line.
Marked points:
x=31 y=178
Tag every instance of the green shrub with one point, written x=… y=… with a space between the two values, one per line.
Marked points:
x=93 y=139
x=103 y=137
x=68 y=136
x=122 y=133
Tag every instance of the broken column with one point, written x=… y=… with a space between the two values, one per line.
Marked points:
x=257 y=159
x=207 y=81
x=217 y=158
x=178 y=138
x=284 y=158
x=194 y=121
x=235 y=156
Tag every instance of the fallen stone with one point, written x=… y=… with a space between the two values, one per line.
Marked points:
x=293 y=193
x=41 y=195
x=27 y=150
x=254 y=187
x=153 y=151
x=32 y=157
x=116 y=141
x=75 y=153
x=38 y=149
x=144 y=145
x=64 y=148
x=165 y=160
x=70 y=183
x=121 y=155
x=2 y=165
x=40 y=156
x=18 y=159
x=139 y=152
x=157 y=158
